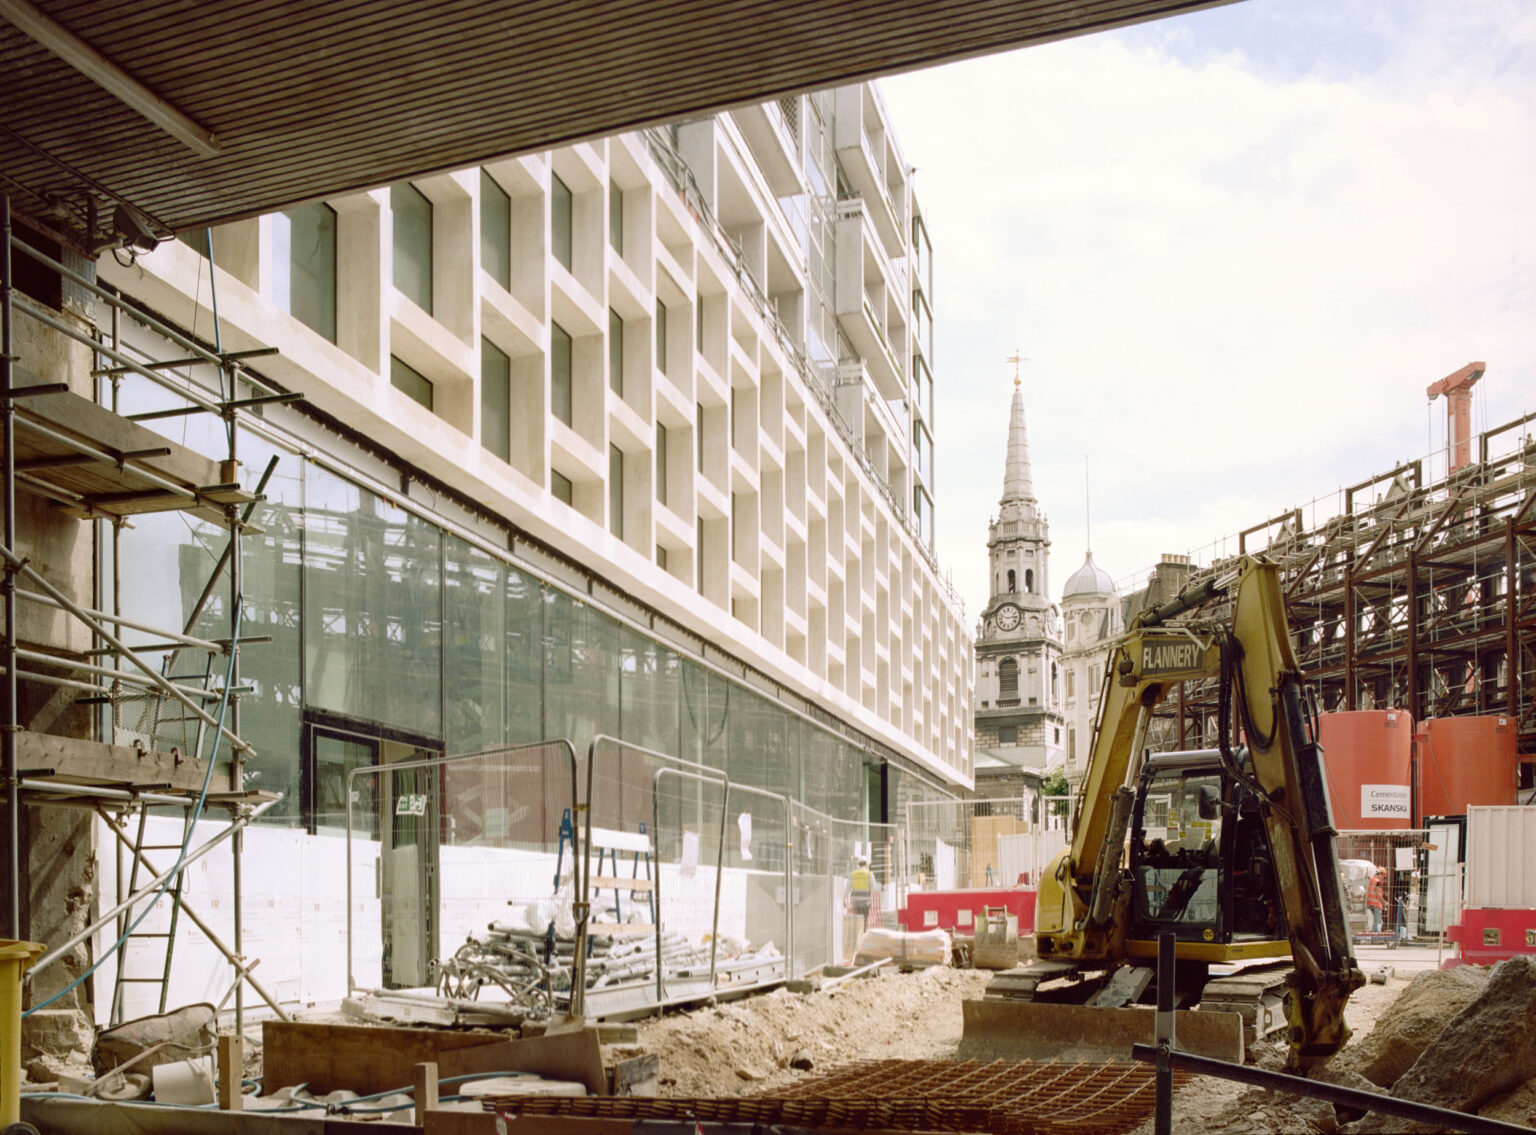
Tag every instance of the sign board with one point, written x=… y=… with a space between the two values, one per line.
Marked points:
x=1172 y=655
x=411 y=804
x=1384 y=802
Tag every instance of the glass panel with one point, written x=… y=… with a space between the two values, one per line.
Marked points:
x=650 y=688
x=335 y=757
x=560 y=487
x=616 y=216
x=661 y=463
x=705 y=709
x=304 y=266
x=525 y=658
x=412 y=243
x=495 y=230
x=495 y=400
x=560 y=220
x=581 y=671
x=616 y=491
x=661 y=337
x=409 y=380
x=474 y=658
x=616 y=352
x=271 y=714
x=559 y=373
x=372 y=612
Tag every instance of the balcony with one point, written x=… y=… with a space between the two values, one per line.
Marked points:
x=862 y=275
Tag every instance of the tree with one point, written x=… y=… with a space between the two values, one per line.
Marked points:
x=1056 y=785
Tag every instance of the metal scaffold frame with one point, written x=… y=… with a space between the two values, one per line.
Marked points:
x=1418 y=593
x=75 y=457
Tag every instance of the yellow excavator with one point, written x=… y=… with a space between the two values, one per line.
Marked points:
x=1231 y=850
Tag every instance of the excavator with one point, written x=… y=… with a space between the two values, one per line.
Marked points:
x=1230 y=849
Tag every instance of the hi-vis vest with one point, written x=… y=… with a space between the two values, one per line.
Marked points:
x=862 y=879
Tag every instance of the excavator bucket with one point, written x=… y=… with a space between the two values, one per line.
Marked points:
x=1039 y=1030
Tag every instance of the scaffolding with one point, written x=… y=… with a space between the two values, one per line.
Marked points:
x=86 y=462
x=1409 y=590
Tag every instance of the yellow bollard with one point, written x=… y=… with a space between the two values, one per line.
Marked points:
x=15 y=959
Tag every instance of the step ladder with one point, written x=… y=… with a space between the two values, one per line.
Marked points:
x=610 y=844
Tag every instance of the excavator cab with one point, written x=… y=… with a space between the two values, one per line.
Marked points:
x=1199 y=862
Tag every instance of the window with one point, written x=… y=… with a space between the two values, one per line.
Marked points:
x=411 y=381
x=1057 y=731
x=1012 y=585
x=1007 y=734
x=698 y=431
x=413 y=243
x=698 y=554
x=616 y=491
x=734 y=414
x=559 y=373
x=495 y=400
x=661 y=463
x=560 y=221
x=304 y=239
x=661 y=337
x=560 y=487
x=495 y=230
x=616 y=217
x=1008 y=681
x=698 y=324
x=1071 y=684
x=1029 y=580
x=661 y=557
x=616 y=352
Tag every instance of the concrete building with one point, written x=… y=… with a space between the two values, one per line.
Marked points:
x=628 y=439
x=1020 y=714
x=1092 y=612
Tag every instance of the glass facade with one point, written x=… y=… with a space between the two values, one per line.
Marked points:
x=409 y=380
x=560 y=240
x=381 y=623
x=560 y=373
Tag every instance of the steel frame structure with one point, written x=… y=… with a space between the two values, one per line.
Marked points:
x=1418 y=595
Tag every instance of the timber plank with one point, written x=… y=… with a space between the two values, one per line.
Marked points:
x=361 y=1058
x=74 y=759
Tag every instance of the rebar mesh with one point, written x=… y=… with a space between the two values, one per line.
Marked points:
x=1000 y=1098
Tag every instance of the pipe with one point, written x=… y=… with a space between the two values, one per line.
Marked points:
x=16 y=562
x=143 y=892
x=10 y=840
x=208 y=931
x=118 y=621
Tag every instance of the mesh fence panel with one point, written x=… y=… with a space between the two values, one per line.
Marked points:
x=963 y=844
x=1399 y=886
x=443 y=848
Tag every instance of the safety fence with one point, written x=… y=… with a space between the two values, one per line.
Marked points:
x=1402 y=886
x=534 y=880
x=974 y=844
x=444 y=850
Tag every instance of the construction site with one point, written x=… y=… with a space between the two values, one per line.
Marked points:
x=475 y=658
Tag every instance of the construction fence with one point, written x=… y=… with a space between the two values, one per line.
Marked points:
x=1403 y=886
x=467 y=876
x=975 y=844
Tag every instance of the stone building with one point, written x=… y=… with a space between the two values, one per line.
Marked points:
x=1020 y=719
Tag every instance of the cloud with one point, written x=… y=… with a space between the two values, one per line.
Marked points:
x=1233 y=274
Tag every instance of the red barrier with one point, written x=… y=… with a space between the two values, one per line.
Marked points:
x=957 y=911
x=1487 y=935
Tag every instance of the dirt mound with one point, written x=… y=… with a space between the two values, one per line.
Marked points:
x=1413 y=1023
x=1485 y=1050
x=749 y=1045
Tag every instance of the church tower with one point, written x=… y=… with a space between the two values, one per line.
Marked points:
x=1020 y=714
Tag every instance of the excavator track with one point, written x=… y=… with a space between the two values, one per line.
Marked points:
x=1257 y=994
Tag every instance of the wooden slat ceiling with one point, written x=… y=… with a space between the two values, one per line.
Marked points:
x=322 y=97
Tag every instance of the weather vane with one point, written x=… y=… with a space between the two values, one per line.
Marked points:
x=1016 y=359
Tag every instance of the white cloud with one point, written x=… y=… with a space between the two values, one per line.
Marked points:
x=1233 y=281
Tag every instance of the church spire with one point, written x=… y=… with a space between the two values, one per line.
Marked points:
x=1017 y=484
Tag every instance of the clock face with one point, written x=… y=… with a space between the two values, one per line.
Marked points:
x=1007 y=618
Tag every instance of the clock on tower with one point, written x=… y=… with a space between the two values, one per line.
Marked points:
x=1007 y=617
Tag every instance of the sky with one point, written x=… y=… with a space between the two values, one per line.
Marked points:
x=1235 y=247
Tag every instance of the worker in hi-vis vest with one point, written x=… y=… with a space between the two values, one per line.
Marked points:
x=862 y=888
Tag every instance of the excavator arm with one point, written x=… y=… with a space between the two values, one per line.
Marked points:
x=1083 y=908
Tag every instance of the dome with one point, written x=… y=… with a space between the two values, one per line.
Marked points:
x=1088 y=580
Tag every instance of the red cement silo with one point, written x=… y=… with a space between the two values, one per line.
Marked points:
x=1368 y=757
x=1467 y=760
